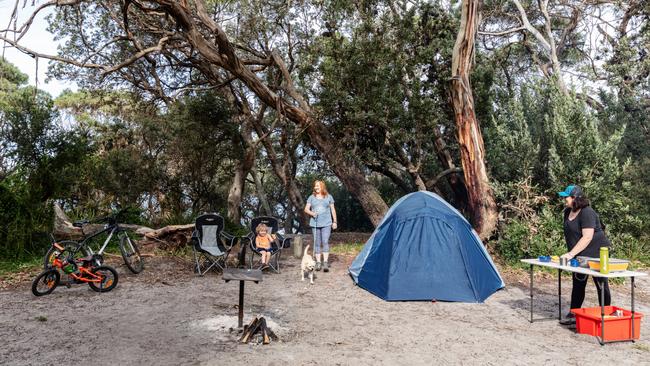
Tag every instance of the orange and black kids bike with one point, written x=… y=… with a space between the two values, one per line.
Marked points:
x=99 y=278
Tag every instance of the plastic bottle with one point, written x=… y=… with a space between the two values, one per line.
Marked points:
x=604 y=260
x=68 y=267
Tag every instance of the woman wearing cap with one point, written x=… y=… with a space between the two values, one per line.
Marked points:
x=584 y=236
x=320 y=206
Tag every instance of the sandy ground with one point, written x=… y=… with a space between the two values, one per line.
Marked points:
x=168 y=316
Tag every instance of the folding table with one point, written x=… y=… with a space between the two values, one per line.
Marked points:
x=586 y=271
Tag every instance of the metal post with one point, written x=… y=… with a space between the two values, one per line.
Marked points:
x=632 y=308
x=241 y=304
x=602 y=313
x=531 y=293
x=559 y=294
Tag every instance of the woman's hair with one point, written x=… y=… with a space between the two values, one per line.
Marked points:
x=323 y=188
x=579 y=203
x=261 y=227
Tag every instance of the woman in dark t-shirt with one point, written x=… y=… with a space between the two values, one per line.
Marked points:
x=584 y=236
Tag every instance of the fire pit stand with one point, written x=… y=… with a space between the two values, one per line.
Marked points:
x=241 y=275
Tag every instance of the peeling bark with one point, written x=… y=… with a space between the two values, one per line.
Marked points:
x=482 y=206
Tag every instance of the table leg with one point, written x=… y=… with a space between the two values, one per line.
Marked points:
x=602 y=314
x=559 y=294
x=531 y=293
x=632 y=308
x=241 y=304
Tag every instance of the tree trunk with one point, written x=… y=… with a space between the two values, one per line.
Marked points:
x=261 y=194
x=63 y=228
x=445 y=159
x=241 y=172
x=481 y=205
x=288 y=221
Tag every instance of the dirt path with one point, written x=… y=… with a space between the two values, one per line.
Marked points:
x=171 y=317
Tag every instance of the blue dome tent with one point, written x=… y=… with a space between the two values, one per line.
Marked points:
x=424 y=249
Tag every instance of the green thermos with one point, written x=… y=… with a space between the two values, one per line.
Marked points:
x=604 y=260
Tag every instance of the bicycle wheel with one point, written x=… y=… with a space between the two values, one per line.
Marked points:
x=46 y=282
x=69 y=246
x=131 y=254
x=109 y=279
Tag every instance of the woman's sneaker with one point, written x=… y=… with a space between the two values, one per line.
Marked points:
x=569 y=319
x=318 y=266
x=326 y=267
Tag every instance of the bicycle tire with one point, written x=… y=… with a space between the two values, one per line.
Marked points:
x=68 y=245
x=131 y=254
x=109 y=279
x=49 y=278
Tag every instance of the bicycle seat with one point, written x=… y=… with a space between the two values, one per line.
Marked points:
x=80 y=223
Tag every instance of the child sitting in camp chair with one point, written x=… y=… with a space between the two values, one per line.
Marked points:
x=263 y=240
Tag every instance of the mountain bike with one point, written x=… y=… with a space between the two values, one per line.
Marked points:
x=82 y=270
x=128 y=248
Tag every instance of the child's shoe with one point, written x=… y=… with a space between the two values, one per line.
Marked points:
x=326 y=267
x=318 y=266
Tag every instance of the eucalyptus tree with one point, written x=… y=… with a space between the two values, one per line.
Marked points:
x=481 y=198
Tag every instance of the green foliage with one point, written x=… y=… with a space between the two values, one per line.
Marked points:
x=557 y=142
x=38 y=162
x=519 y=239
x=24 y=218
x=382 y=81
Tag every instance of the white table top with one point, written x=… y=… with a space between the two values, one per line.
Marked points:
x=583 y=270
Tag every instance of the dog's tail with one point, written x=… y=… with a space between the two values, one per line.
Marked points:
x=305 y=252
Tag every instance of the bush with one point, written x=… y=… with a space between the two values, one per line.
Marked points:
x=557 y=140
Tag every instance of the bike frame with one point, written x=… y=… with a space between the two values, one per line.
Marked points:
x=85 y=273
x=113 y=228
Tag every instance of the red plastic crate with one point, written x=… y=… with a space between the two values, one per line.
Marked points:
x=617 y=328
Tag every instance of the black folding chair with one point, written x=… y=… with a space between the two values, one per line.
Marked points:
x=210 y=244
x=276 y=245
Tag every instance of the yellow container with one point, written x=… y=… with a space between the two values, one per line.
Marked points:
x=615 y=265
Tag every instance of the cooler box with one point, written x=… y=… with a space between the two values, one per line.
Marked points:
x=617 y=328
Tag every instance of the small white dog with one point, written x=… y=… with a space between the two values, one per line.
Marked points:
x=307 y=265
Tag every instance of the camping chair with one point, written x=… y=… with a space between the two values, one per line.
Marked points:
x=276 y=245
x=210 y=244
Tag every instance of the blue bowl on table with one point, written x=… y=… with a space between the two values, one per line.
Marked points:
x=544 y=258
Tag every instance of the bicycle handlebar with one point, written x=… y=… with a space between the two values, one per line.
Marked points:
x=111 y=219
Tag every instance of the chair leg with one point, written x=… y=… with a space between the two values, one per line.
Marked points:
x=197 y=266
x=208 y=263
x=277 y=262
x=212 y=264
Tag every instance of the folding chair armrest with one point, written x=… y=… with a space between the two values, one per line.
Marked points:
x=194 y=239
x=286 y=243
x=251 y=241
x=230 y=239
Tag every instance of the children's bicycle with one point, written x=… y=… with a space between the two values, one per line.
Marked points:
x=129 y=250
x=83 y=270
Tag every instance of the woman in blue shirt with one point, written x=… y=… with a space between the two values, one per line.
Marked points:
x=320 y=206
